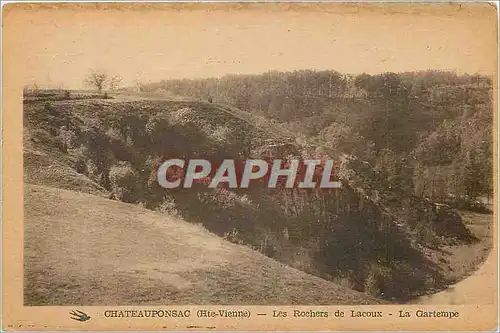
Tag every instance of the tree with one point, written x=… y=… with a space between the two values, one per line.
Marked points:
x=102 y=80
x=114 y=82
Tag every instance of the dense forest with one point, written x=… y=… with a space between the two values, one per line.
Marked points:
x=428 y=133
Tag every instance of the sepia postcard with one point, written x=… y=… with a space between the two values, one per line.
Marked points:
x=249 y=166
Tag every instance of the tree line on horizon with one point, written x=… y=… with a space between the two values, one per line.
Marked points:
x=428 y=132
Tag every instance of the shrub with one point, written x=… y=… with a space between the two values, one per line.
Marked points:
x=221 y=134
x=114 y=134
x=124 y=182
x=48 y=107
x=426 y=236
x=45 y=138
x=91 y=168
x=79 y=157
x=69 y=138
x=303 y=260
x=397 y=281
x=233 y=236
x=156 y=127
x=225 y=199
x=376 y=279
x=167 y=205
x=60 y=144
x=117 y=145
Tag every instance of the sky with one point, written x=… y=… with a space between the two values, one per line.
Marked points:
x=57 y=46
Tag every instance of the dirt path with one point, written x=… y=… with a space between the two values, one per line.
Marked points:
x=477 y=262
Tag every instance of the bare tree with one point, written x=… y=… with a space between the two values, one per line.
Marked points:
x=96 y=79
x=138 y=86
x=102 y=80
x=114 y=82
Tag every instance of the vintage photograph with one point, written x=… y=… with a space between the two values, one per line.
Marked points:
x=258 y=154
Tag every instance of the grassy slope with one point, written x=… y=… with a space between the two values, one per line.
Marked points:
x=81 y=249
x=42 y=168
x=44 y=165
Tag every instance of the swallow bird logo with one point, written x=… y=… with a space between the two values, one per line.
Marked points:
x=79 y=315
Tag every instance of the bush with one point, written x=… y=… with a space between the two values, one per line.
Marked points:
x=233 y=236
x=167 y=205
x=96 y=174
x=156 y=128
x=124 y=182
x=48 y=107
x=43 y=137
x=114 y=134
x=80 y=157
x=375 y=280
x=397 y=281
x=60 y=144
x=221 y=134
x=69 y=138
x=225 y=199
x=426 y=236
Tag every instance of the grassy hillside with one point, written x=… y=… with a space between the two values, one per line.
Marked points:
x=85 y=250
x=369 y=236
